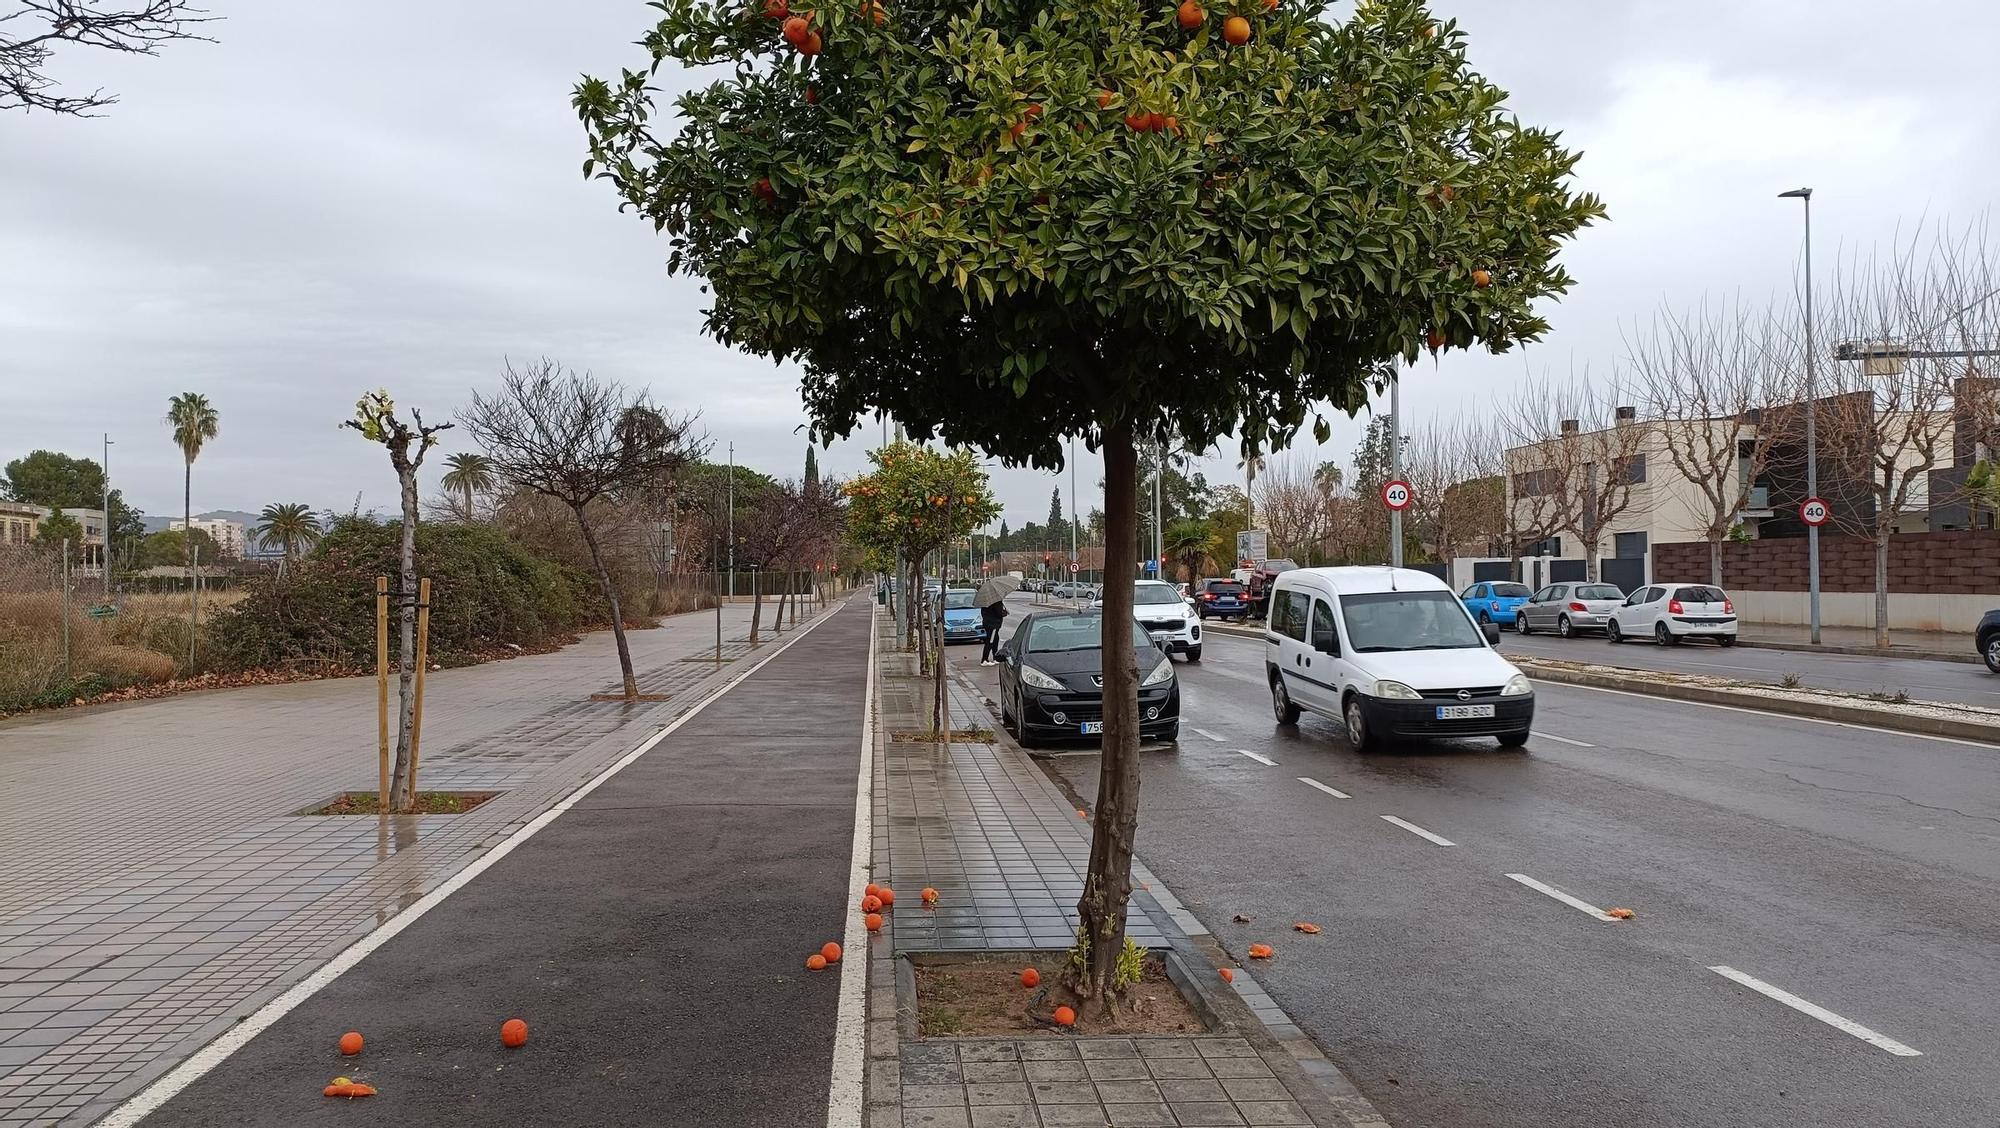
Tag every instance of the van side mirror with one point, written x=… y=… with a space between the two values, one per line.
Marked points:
x=1492 y=633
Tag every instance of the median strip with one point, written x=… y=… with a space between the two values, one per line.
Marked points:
x=1879 y=1041
x=1550 y=890
x=1420 y=832
x=1318 y=786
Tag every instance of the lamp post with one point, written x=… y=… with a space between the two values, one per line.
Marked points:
x=1804 y=195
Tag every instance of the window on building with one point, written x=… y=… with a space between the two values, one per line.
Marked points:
x=1537 y=483
x=1546 y=546
x=1628 y=546
x=1629 y=471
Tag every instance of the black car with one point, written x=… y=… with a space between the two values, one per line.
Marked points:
x=1052 y=680
x=1988 y=636
x=1224 y=599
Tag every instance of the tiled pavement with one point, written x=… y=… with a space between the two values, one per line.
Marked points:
x=1005 y=850
x=159 y=884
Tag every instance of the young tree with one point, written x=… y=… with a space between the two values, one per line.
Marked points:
x=25 y=52
x=572 y=437
x=1012 y=225
x=407 y=443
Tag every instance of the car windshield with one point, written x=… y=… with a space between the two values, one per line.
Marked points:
x=1053 y=634
x=961 y=598
x=1700 y=595
x=1155 y=593
x=1407 y=620
x=1599 y=591
x=1511 y=591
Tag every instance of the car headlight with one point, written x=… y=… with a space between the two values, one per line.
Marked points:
x=1396 y=689
x=1164 y=672
x=1517 y=686
x=1038 y=679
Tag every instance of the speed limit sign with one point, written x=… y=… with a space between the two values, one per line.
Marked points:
x=1814 y=511
x=1398 y=495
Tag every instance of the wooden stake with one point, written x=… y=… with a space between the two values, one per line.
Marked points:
x=382 y=693
x=423 y=663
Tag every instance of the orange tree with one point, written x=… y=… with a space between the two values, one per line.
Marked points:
x=1014 y=222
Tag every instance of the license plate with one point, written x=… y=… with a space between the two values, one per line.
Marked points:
x=1463 y=712
x=1092 y=728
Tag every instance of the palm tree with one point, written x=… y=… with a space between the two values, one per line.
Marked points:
x=469 y=474
x=1189 y=543
x=194 y=421
x=289 y=526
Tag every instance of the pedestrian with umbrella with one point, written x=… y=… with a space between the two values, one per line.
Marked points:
x=992 y=599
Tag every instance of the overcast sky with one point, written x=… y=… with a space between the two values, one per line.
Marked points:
x=336 y=197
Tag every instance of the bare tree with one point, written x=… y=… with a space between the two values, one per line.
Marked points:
x=575 y=438
x=1580 y=462
x=1292 y=503
x=1705 y=377
x=375 y=418
x=31 y=32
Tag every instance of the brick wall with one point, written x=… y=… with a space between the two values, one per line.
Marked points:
x=1966 y=562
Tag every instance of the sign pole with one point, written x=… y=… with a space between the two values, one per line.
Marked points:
x=1396 y=468
x=382 y=694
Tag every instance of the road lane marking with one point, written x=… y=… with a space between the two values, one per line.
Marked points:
x=1208 y=734
x=1540 y=735
x=846 y=1085
x=1420 y=832
x=1318 y=786
x=1264 y=760
x=1879 y=1041
x=1572 y=902
x=1777 y=716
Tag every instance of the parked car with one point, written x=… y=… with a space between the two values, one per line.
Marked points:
x=961 y=617
x=1390 y=653
x=1052 y=680
x=1224 y=599
x=1568 y=609
x=1673 y=613
x=1988 y=636
x=1495 y=602
x=1165 y=615
x=1068 y=590
x=1258 y=585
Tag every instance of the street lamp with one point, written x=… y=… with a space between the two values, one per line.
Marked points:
x=1804 y=195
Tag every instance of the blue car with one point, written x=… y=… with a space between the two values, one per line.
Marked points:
x=961 y=617
x=1498 y=602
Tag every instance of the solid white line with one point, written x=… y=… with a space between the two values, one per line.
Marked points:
x=1879 y=1041
x=1540 y=735
x=1572 y=902
x=238 y=1036
x=1420 y=832
x=850 y=1028
x=1264 y=760
x=1775 y=716
x=1208 y=734
x=1317 y=785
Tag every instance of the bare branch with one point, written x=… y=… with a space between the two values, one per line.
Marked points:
x=26 y=48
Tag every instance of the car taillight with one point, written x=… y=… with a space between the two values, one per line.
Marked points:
x=1728 y=607
x=1674 y=607
x=1578 y=607
x=1208 y=595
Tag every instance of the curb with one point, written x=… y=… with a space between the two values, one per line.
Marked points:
x=1836 y=711
x=1861 y=651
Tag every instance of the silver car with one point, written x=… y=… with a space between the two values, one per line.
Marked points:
x=1569 y=609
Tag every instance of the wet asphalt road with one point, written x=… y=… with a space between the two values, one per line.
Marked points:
x=1855 y=869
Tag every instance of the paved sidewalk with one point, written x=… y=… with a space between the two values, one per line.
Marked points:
x=160 y=883
x=652 y=937
x=982 y=824
x=1952 y=646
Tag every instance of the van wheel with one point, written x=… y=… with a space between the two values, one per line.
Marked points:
x=1359 y=736
x=1281 y=702
x=1514 y=739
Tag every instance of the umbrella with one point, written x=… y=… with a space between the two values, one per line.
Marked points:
x=995 y=589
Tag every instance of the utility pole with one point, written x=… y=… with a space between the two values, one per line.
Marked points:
x=1396 y=466
x=732 y=521
x=107 y=517
x=1073 y=520
x=1812 y=438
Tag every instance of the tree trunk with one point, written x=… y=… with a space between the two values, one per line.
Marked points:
x=1107 y=885
x=778 y=613
x=1882 y=586
x=940 y=716
x=1715 y=561
x=610 y=597
x=756 y=607
x=406 y=642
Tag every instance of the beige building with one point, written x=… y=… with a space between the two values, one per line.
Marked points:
x=228 y=535
x=19 y=521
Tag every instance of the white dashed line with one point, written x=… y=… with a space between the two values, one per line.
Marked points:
x=1540 y=735
x=1420 y=832
x=1879 y=1041
x=1264 y=760
x=1318 y=786
x=1572 y=902
x=1208 y=734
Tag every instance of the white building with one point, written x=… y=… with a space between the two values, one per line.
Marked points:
x=228 y=535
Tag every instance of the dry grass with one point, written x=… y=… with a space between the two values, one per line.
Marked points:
x=145 y=644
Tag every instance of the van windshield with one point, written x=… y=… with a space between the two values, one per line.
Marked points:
x=1407 y=620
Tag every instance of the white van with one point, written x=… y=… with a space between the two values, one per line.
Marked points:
x=1389 y=653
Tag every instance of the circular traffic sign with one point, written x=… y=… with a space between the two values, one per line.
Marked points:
x=1397 y=494
x=1073 y=567
x=1815 y=511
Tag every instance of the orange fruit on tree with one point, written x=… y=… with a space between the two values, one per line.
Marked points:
x=1030 y=978
x=870 y=903
x=763 y=190
x=795 y=30
x=1155 y=122
x=513 y=1033
x=1104 y=99
x=1270 y=5
x=1482 y=279
x=1065 y=1016
x=1033 y=111
x=812 y=44
x=831 y=951
x=872 y=10
x=350 y=1043
x=777 y=9
x=1236 y=31
x=812 y=95
x=1435 y=340
x=873 y=921
x=1137 y=124
x=1190 y=15
x=1171 y=124
x=1015 y=130
x=887 y=894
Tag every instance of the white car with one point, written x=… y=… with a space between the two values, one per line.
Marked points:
x=1389 y=653
x=1167 y=615
x=1672 y=613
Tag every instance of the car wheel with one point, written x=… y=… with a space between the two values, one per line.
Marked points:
x=1992 y=653
x=1612 y=634
x=1281 y=703
x=1663 y=636
x=1521 y=625
x=1172 y=736
x=1021 y=734
x=1485 y=618
x=1359 y=737
x=1564 y=628
x=1726 y=640
x=1514 y=739
x=1194 y=653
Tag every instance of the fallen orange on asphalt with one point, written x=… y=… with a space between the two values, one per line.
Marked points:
x=1260 y=951
x=815 y=962
x=513 y=1033
x=831 y=951
x=350 y=1043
